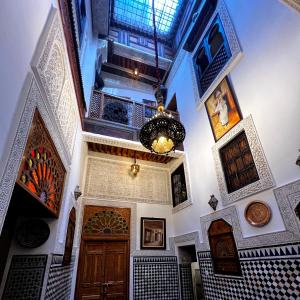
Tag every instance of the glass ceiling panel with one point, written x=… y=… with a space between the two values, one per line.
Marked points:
x=137 y=14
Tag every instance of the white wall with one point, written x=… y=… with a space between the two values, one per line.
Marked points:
x=21 y=27
x=266 y=83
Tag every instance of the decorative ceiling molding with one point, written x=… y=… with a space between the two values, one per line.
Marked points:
x=107 y=140
x=266 y=179
x=123 y=152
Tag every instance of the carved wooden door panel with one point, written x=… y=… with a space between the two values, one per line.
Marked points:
x=103 y=269
x=91 y=270
x=116 y=261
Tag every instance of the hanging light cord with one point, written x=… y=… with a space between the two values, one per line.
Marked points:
x=155 y=44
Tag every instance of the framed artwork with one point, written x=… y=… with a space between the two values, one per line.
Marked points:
x=179 y=193
x=222 y=109
x=153 y=233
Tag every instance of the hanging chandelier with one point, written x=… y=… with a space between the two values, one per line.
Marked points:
x=162 y=133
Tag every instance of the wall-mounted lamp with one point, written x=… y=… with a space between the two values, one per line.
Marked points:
x=213 y=202
x=135 y=168
x=136 y=73
x=77 y=192
x=298 y=160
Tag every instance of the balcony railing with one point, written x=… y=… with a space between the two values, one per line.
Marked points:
x=118 y=116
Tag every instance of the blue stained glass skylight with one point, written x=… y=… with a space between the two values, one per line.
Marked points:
x=137 y=14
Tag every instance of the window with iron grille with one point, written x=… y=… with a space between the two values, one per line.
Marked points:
x=238 y=163
x=212 y=55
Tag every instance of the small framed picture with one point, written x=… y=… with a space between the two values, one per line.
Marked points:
x=222 y=109
x=153 y=233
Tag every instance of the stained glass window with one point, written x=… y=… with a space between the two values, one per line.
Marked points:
x=137 y=14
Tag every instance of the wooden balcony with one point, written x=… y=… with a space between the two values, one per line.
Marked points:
x=117 y=116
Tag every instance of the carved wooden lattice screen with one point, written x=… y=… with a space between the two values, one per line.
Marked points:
x=70 y=237
x=42 y=172
x=223 y=249
x=238 y=164
x=106 y=221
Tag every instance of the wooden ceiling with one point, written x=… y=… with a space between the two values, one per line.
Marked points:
x=113 y=150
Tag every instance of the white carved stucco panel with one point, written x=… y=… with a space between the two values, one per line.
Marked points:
x=111 y=180
x=51 y=68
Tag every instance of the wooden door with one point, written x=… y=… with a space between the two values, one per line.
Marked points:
x=104 y=254
x=103 y=270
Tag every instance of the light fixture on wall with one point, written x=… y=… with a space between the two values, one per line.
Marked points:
x=162 y=133
x=136 y=73
x=213 y=202
x=77 y=192
x=135 y=168
x=298 y=160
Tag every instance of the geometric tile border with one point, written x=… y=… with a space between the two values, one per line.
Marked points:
x=268 y=273
x=156 y=278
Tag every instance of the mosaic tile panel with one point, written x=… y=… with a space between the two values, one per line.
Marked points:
x=186 y=282
x=59 y=279
x=268 y=273
x=25 y=277
x=155 y=277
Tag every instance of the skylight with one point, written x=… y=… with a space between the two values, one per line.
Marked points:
x=137 y=14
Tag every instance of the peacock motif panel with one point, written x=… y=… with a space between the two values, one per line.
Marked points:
x=42 y=172
x=106 y=221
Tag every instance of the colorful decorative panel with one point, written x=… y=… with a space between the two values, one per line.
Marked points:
x=42 y=172
x=223 y=249
x=106 y=221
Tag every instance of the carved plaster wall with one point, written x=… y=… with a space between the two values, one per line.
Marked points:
x=287 y=198
x=31 y=97
x=110 y=179
x=52 y=71
x=265 y=176
x=235 y=49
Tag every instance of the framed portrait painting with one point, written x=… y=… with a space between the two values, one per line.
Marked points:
x=153 y=233
x=222 y=109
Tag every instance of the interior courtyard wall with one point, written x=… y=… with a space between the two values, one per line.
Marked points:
x=266 y=87
x=21 y=30
x=24 y=56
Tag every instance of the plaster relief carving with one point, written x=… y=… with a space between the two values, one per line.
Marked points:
x=51 y=68
x=110 y=179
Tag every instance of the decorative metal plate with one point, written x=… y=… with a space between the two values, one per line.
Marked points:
x=32 y=233
x=258 y=213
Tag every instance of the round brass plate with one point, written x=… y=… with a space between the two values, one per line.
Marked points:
x=258 y=213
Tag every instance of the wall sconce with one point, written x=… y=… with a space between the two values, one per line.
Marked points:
x=298 y=160
x=136 y=73
x=135 y=168
x=213 y=202
x=77 y=192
